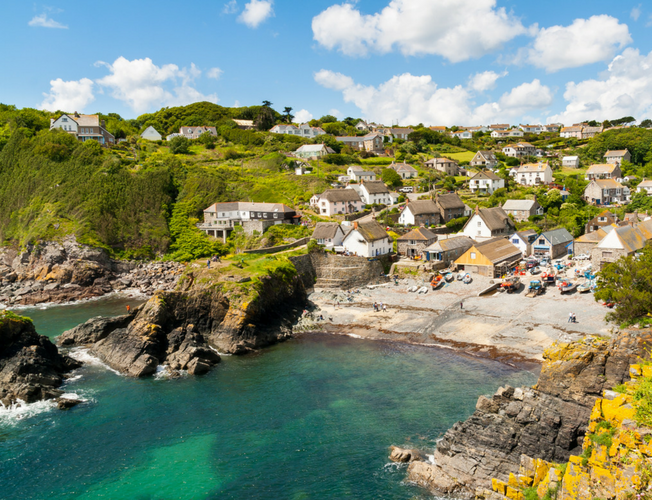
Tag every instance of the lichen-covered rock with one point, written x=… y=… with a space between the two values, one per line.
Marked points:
x=31 y=367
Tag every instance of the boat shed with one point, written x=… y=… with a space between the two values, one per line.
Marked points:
x=491 y=258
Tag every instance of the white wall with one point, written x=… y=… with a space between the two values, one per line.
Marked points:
x=476 y=229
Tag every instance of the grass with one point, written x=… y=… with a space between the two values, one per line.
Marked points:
x=465 y=156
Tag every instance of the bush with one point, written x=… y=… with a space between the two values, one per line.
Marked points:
x=179 y=145
x=456 y=224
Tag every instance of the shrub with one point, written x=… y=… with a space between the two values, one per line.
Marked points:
x=179 y=145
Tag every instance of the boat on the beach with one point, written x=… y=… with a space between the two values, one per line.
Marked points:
x=584 y=287
x=423 y=289
x=511 y=284
x=535 y=270
x=567 y=286
x=460 y=275
x=548 y=278
x=437 y=281
x=535 y=288
x=412 y=288
x=449 y=277
x=467 y=279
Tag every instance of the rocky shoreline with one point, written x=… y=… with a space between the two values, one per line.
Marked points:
x=56 y=273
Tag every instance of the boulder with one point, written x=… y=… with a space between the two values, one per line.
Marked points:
x=67 y=403
x=404 y=455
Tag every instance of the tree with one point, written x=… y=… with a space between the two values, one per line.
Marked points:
x=628 y=283
x=179 y=145
x=267 y=104
x=327 y=119
x=391 y=178
x=288 y=114
x=647 y=123
x=265 y=118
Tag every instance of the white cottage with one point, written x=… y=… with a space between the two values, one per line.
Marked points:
x=367 y=239
x=151 y=134
x=488 y=223
x=329 y=234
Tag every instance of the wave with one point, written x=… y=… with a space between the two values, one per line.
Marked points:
x=20 y=410
x=131 y=293
x=83 y=355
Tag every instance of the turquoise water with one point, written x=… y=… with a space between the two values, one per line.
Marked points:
x=310 y=418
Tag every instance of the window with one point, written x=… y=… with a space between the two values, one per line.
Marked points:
x=607 y=254
x=64 y=119
x=472 y=255
x=479 y=224
x=542 y=241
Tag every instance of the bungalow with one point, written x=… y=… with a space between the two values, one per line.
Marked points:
x=617 y=157
x=448 y=167
x=501 y=134
x=574 y=132
x=604 y=218
x=485 y=182
x=604 y=192
x=374 y=193
x=372 y=142
x=440 y=129
x=603 y=171
x=620 y=242
x=484 y=159
x=522 y=210
x=447 y=248
x=571 y=161
x=523 y=241
x=534 y=174
x=339 y=201
x=488 y=223
x=285 y=129
x=499 y=126
x=244 y=124
x=645 y=187
x=401 y=133
x=462 y=134
x=313 y=151
x=420 y=212
x=357 y=174
x=491 y=258
x=519 y=150
x=197 y=132
x=585 y=244
x=151 y=134
x=450 y=206
x=329 y=234
x=531 y=129
x=404 y=170
x=367 y=239
x=415 y=242
x=553 y=244
x=309 y=132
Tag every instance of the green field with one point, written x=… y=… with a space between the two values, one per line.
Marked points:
x=465 y=156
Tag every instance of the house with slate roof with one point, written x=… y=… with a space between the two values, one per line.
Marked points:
x=617 y=157
x=358 y=174
x=484 y=159
x=415 y=242
x=404 y=170
x=604 y=218
x=444 y=165
x=485 y=182
x=523 y=241
x=620 y=242
x=420 y=212
x=221 y=218
x=522 y=210
x=447 y=249
x=338 y=201
x=367 y=239
x=605 y=192
x=553 y=244
x=84 y=128
x=603 y=171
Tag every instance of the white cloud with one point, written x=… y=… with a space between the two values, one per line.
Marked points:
x=455 y=29
x=214 y=73
x=414 y=99
x=635 y=13
x=255 y=12
x=484 y=81
x=624 y=90
x=336 y=113
x=302 y=116
x=68 y=96
x=43 y=21
x=586 y=41
x=143 y=85
x=230 y=7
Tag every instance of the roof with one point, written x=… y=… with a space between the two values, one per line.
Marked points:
x=488 y=155
x=244 y=123
x=247 y=206
x=498 y=250
x=519 y=204
x=340 y=195
x=371 y=231
x=307 y=148
x=601 y=168
x=422 y=207
x=486 y=174
x=571 y=157
x=558 y=236
x=617 y=152
x=453 y=243
x=325 y=230
x=495 y=218
x=607 y=183
x=419 y=233
x=593 y=237
x=402 y=167
x=349 y=138
x=627 y=238
x=401 y=130
x=375 y=187
x=87 y=120
x=533 y=167
x=449 y=201
x=571 y=129
x=527 y=234
x=440 y=160
x=645 y=184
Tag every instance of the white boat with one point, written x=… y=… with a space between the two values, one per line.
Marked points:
x=460 y=275
x=467 y=279
x=413 y=288
x=423 y=289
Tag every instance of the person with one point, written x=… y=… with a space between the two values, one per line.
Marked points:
x=128 y=309
x=461 y=305
x=574 y=318
x=385 y=308
x=570 y=317
x=337 y=303
x=375 y=307
x=208 y=263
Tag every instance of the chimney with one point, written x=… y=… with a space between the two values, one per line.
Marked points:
x=477 y=210
x=355 y=224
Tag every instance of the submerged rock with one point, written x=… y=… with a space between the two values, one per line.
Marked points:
x=31 y=367
x=404 y=455
x=67 y=403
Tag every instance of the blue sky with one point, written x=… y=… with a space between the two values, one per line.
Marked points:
x=439 y=62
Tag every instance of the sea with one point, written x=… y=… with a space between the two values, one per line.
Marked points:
x=310 y=418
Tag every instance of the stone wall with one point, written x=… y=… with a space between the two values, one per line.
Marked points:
x=336 y=271
x=279 y=248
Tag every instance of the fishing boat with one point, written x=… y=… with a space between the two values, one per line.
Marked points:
x=548 y=278
x=567 y=286
x=535 y=270
x=511 y=284
x=437 y=281
x=460 y=275
x=584 y=287
x=467 y=279
x=535 y=288
x=449 y=277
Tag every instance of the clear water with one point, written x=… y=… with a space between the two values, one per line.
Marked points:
x=308 y=419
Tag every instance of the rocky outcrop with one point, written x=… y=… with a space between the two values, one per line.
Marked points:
x=31 y=367
x=67 y=271
x=548 y=421
x=404 y=455
x=185 y=329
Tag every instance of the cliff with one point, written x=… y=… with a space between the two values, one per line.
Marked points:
x=234 y=308
x=31 y=367
x=548 y=421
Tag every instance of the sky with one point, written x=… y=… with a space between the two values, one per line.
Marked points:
x=405 y=62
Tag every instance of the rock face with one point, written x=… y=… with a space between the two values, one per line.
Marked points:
x=31 y=367
x=184 y=329
x=403 y=455
x=67 y=271
x=548 y=421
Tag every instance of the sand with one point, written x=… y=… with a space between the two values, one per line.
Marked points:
x=509 y=327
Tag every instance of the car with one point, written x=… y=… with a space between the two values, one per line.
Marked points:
x=582 y=256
